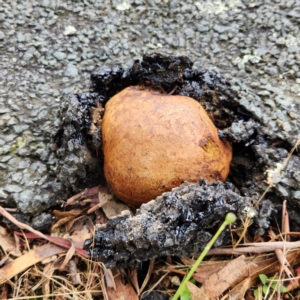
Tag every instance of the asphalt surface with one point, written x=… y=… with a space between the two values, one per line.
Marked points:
x=49 y=48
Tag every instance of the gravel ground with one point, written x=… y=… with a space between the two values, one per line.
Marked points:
x=49 y=48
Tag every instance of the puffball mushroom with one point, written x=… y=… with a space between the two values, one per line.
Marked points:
x=153 y=142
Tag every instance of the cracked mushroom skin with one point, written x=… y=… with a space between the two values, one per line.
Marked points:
x=153 y=142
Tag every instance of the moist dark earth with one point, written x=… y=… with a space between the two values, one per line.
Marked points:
x=49 y=49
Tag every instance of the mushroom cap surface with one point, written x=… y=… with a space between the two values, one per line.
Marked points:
x=153 y=142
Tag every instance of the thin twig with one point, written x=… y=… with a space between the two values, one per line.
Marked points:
x=255 y=248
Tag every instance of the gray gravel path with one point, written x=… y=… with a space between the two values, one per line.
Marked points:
x=49 y=48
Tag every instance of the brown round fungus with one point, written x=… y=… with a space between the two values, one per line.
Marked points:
x=153 y=142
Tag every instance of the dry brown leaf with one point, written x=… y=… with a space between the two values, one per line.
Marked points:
x=4 y=292
x=95 y=207
x=75 y=276
x=206 y=268
x=67 y=218
x=265 y=265
x=81 y=222
x=113 y=208
x=79 y=237
x=68 y=256
x=4 y=261
x=27 y=260
x=7 y=242
x=246 y=286
x=219 y=282
x=102 y=199
x=257 y=264
x=34 y=233
x=70 y=224
x=122 y=292
x=60 y=223
x=132 y=274
x=239 y=291
x=109 y=278
x=69 y=213
x=195 y=292
x=55 y=240
x=90 y=192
